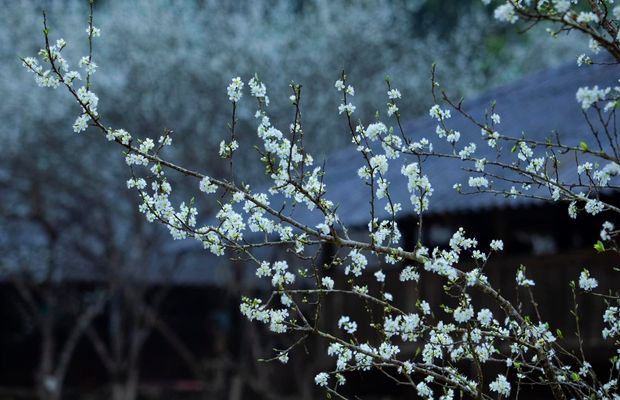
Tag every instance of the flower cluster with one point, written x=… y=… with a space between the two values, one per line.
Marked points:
x=235 y=90
x=458 y=332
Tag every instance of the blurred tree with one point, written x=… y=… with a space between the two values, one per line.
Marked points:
x=305 y=40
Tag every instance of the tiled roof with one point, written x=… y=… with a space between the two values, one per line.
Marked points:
x=536 y=106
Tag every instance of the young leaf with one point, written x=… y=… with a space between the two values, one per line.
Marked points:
x=599 y=246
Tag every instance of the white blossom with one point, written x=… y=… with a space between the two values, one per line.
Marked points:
x=587 y=17
x=348 y=108
x=235 y=90
x=392 y=109
x=583 y=59
x=358 y=263
x=611 y=319
x=327 y=282
x=594 y=46
x=606 y=231
x=562 y=6
x=522 y=280
x=207 y=186
x=409 y=273
x=347 y=325
x=439 y=114
x=497 y=245
x=81 y=123
x=485 y=317
x=500 y=385
x=227 y=149
x=572 y=209
x=594 y=206
x=89 y=66
x=586 y=282
x=375 y=130
x=379 y=164
x=257 y=88
x=424 y=390
x=463 y=314
x=394 y=94
x=467 y=151
x=321 y=379
x=506 y=13
x=478 y=182
x=588 y=96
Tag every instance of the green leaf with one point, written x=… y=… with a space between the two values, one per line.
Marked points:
x=583 y=146
x=599 y=246
x=575 y=377
x=559 y=334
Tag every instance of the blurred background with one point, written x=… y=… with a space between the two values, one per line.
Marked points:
x=97 y=303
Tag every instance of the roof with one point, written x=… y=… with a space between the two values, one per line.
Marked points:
x=536 y=106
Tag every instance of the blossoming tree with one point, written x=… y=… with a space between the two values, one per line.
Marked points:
x=457 y=344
